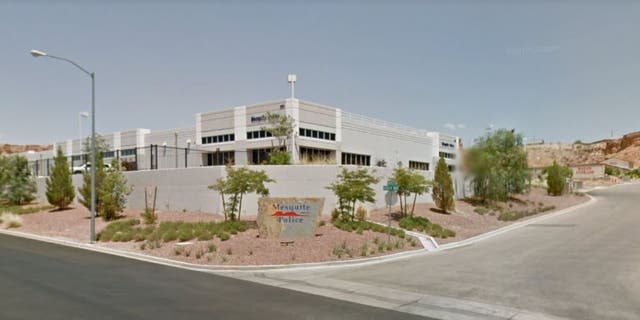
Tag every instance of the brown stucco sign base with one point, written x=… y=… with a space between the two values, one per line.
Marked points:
x=288 y=218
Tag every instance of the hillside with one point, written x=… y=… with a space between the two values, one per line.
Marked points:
x=17 y=148
x=626 y=148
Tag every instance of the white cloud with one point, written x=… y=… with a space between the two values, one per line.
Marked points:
x=450 y=126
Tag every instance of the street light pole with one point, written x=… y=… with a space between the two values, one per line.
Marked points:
x=92 y=234
x=37 y=54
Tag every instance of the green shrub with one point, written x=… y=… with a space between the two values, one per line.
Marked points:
x=422 y=224
x=169 y=231
x=557 y=176
x=515 y=215
x=335 y=214
x=361 y=213
x=364 y=250
x=224 y=236
x=148 y=216
x=350 y=226
x=341 y=250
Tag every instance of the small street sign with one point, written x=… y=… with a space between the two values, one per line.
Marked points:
x=391 y=186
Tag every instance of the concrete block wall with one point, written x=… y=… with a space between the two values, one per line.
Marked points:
x=187 y=189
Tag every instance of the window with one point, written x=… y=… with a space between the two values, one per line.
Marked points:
x=317 y=134
x=259 y=156
x=77 y=157
x=451 y=168
x=258 y=134
x=447 y=155
x=128 y=152
x=108 y=154
x=424 y=166
x=218 y=138
x=220 y=158
x=317 y=156
x=356 y=159
x=447 y=145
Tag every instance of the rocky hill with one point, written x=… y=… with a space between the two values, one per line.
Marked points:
x=626 y=148
x=17 y=148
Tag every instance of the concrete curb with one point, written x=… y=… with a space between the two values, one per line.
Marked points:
x=212 y=268
x=299 y=266
x=514 y=226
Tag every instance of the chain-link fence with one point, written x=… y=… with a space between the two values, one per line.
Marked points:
x=151 y=157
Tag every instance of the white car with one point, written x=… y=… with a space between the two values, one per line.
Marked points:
x=87 y=167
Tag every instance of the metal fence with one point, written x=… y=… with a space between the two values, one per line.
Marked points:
x=151 y=157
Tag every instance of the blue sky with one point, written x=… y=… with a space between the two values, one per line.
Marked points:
x=558 y=71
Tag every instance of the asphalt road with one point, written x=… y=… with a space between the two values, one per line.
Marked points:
x=44 y=281
x=582 y=265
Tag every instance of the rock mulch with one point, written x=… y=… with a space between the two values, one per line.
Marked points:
x=466 y=223
x=245 y=248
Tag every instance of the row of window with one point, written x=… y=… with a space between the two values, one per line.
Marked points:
x=317 y=134
x=447 y=155
x=424 y=166
x=258 y=134
x=221 y=158
x=313 y=155
x=448 y=145
x=219 y=138
x=128 y=152
x=356 y=159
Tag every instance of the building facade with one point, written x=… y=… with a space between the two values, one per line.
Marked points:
x=323 y=135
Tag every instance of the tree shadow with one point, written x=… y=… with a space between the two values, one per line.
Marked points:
x=61 y=210
x=396 y=215
x=440 y=211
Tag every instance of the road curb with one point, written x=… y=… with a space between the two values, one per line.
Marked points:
x=212 y=268
x=297 y=266
x=515 y=226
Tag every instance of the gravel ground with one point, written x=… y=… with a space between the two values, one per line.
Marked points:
x=245 y=248
x=467 y=223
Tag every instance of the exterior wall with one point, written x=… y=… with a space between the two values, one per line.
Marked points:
x=184 y=136
x=317 y=116
x=586 y=172
x=383 y=141
x=187 y=189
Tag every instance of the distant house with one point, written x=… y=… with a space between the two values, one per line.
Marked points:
x=622 y=165
x=588 y=171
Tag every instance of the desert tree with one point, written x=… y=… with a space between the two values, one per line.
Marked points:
x=85 y=189
x=60 y=191
x=238 y=183
x=443 y=192
x=498 y=165
x=410 y=183
x=19 y=184
x=113 y=192
x=351 y=187
x=281 y=127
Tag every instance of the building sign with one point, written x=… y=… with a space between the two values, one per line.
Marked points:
x=255 y=119
x=584 y=170
x=288 y=218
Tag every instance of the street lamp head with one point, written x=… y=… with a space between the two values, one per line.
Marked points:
x=38 y=53
x=84 y=114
